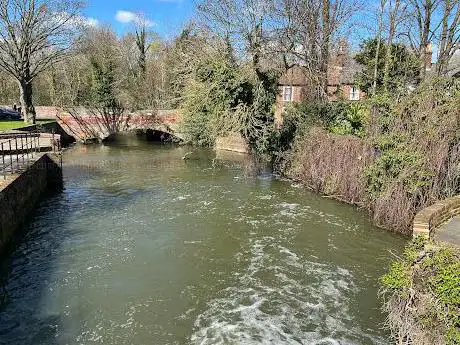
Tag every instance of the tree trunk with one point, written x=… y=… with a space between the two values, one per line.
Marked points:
x=424 y=38
x=379 y=44
x=325 y=45
x=27 y=107
x=142 y=64
x=389 y=53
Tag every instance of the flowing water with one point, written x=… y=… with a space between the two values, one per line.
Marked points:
x=143 y=247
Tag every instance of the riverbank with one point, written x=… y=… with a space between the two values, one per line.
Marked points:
x=20 y=193
x=421 y=294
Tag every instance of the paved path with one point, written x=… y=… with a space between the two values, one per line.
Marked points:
x=449 y=232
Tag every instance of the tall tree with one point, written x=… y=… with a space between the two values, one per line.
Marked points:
x=380 y=16
x=450 y=34
x=403 y=69
x=34 y=34
x=422 y=28
x=395 y=16
x=306 y=32
x=144 y=40
x=246 y=23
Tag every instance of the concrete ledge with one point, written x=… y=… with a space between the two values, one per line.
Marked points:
x=232 y=142
x=427 y=221
x=20 y=194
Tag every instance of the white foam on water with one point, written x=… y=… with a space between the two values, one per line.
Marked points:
x=282 y=298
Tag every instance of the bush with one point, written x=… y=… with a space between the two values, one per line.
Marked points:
x=220 y=98
x=394 y=157
x=337 y=117
x=330 y=164
x=417 y=152
x=421 y=293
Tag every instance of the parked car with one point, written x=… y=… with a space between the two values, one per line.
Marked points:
x=8 y=114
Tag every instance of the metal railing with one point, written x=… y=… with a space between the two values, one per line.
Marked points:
x=18 y=151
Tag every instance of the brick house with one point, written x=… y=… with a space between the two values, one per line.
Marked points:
x=293 y=85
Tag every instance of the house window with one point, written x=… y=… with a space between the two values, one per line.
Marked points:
x=287 y=94
x=354 y=94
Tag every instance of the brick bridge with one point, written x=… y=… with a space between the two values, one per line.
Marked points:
x=85 y=126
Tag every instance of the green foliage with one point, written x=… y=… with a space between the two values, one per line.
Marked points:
x=397 y=276
x=404 y=66
x=220 y=97
x=415 y=142
x=342 y=118
x=396 y=165
x=297 y=120
x=349 y=119
x=423 y=290
x=103 y=82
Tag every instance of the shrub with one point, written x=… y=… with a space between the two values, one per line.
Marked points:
x=349 y=118
x=417 y=146
x=330 y=164
x=421 y=294
x=394 y=157
x=220 y=98
x=337 y=117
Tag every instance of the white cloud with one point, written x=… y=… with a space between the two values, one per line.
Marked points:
x=71 y=21
x=127 y=17
x=91 y=21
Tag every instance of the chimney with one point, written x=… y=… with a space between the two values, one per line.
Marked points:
x=428 y=56
x=341 y=52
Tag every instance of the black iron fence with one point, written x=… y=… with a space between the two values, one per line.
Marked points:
x=19 y=150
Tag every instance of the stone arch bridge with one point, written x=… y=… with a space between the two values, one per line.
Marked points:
x=89 y=126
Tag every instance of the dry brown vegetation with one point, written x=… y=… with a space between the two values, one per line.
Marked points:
x=331 y=164
x=408 y=158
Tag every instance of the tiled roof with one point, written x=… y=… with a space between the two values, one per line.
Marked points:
x=336 y=74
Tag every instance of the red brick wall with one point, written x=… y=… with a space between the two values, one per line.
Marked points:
x=298 y=95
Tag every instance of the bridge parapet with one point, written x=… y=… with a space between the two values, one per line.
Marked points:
x=87 y=126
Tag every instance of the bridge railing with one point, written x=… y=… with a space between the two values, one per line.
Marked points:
x=18 y=150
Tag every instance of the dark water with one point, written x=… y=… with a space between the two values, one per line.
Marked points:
x=143 y=247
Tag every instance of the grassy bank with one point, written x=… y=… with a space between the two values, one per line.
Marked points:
x=8 y=125
x=421 y=294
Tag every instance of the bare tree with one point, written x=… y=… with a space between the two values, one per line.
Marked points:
x=422 y=29
x=379 y=44
x=34 y=34
x=450 y=34
x=307 y=31
x=245 y=23
x=396 y=14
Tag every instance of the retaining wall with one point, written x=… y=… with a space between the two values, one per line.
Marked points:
x=20 y=194
x=233 y=142
x=427 y=221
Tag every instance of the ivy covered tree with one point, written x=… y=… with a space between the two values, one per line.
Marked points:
x=220 y=95
x=404 y=66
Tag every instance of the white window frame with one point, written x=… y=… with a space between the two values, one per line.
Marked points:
x=354 y=94
x=291 y=94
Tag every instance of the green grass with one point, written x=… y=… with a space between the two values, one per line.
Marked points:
x=11 y=124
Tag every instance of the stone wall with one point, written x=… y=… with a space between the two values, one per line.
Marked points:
x=431 y=218
x=20 y=194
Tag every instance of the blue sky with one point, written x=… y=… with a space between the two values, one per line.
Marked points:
x=165 y=16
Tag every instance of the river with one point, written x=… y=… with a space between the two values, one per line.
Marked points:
x=144 y=247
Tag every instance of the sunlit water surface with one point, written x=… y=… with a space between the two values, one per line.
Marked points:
x=143 y=247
